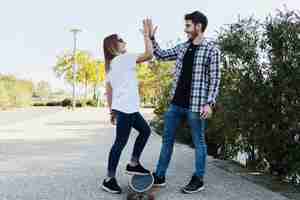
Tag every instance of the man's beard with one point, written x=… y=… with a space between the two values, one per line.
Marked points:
x=193 y=35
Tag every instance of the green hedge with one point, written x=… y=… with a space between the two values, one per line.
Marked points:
x=15 y=92
x=68 y=103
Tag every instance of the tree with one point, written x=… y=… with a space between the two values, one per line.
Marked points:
x=4 y=97
x=63 y=67
x=42 y=89
x=90 y=71
x=23 y=93
x=15 y=92
x=266 y=98
x=282 y=45
x=153 y=77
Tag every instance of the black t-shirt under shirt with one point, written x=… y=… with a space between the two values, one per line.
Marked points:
x=183 y=89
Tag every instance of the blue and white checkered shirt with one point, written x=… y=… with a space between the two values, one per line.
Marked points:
x=206 y=71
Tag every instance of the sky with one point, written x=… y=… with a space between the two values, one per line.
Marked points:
x=34 y=32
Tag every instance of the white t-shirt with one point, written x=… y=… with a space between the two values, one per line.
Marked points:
x=123 y=79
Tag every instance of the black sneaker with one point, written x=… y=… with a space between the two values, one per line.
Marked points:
x=138 y=170
x=195 y=185
x=159 y=181
x=111 y=186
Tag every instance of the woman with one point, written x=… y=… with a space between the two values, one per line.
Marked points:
x=123 y=102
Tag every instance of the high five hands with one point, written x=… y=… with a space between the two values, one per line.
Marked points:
x=148 y=29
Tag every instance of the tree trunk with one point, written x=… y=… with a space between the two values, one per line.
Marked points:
x=86 y=87
x=94 y=95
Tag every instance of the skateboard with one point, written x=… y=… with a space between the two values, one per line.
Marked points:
x=140 y=187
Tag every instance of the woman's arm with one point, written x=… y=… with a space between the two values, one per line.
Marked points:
x=109 y=95
x=148 y=54
x=109 y=101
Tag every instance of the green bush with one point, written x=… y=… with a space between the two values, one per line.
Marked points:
x=91 y=102
x=79 y=104
x=39 y=104
x=4 y=96
x=15 y=92
x=53 y=103
x=66 y=102
x=264 y=103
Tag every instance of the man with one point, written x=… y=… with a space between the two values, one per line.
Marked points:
x=194 y=92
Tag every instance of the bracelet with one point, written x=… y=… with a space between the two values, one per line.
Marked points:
x=211 y=104
x=152 y=37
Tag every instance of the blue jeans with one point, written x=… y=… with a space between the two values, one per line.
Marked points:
x=172 y=119
x=124 y=123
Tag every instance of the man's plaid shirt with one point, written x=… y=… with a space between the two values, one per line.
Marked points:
x=206 y=71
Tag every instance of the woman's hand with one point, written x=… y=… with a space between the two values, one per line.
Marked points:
x=148 y=30
x=152 y=30
x=148 y=54
x=113 y=118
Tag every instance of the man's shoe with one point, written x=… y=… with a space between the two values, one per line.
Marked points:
x=111 y=186
x=137 y=170
x=159 y=181
x=195 y=185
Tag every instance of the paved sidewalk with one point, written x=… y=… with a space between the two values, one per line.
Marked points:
x=63 y=155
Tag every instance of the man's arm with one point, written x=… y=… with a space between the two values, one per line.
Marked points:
x=160 y=54
x=167 y=54
x=215 y=76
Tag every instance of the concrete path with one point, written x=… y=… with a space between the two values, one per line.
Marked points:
x=62 y=156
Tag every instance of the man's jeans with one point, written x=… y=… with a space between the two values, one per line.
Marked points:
x=172 y=119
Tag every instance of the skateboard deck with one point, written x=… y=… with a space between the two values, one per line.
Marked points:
x=140 y=187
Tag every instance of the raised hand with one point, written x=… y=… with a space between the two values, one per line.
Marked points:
x=148 y=54
x=151 y=29
x=146 y=28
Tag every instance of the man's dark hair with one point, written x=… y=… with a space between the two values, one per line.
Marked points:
x=197 y=18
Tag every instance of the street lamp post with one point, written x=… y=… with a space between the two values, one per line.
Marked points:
x=74 y=31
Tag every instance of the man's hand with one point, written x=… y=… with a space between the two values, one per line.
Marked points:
x=205 y=111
